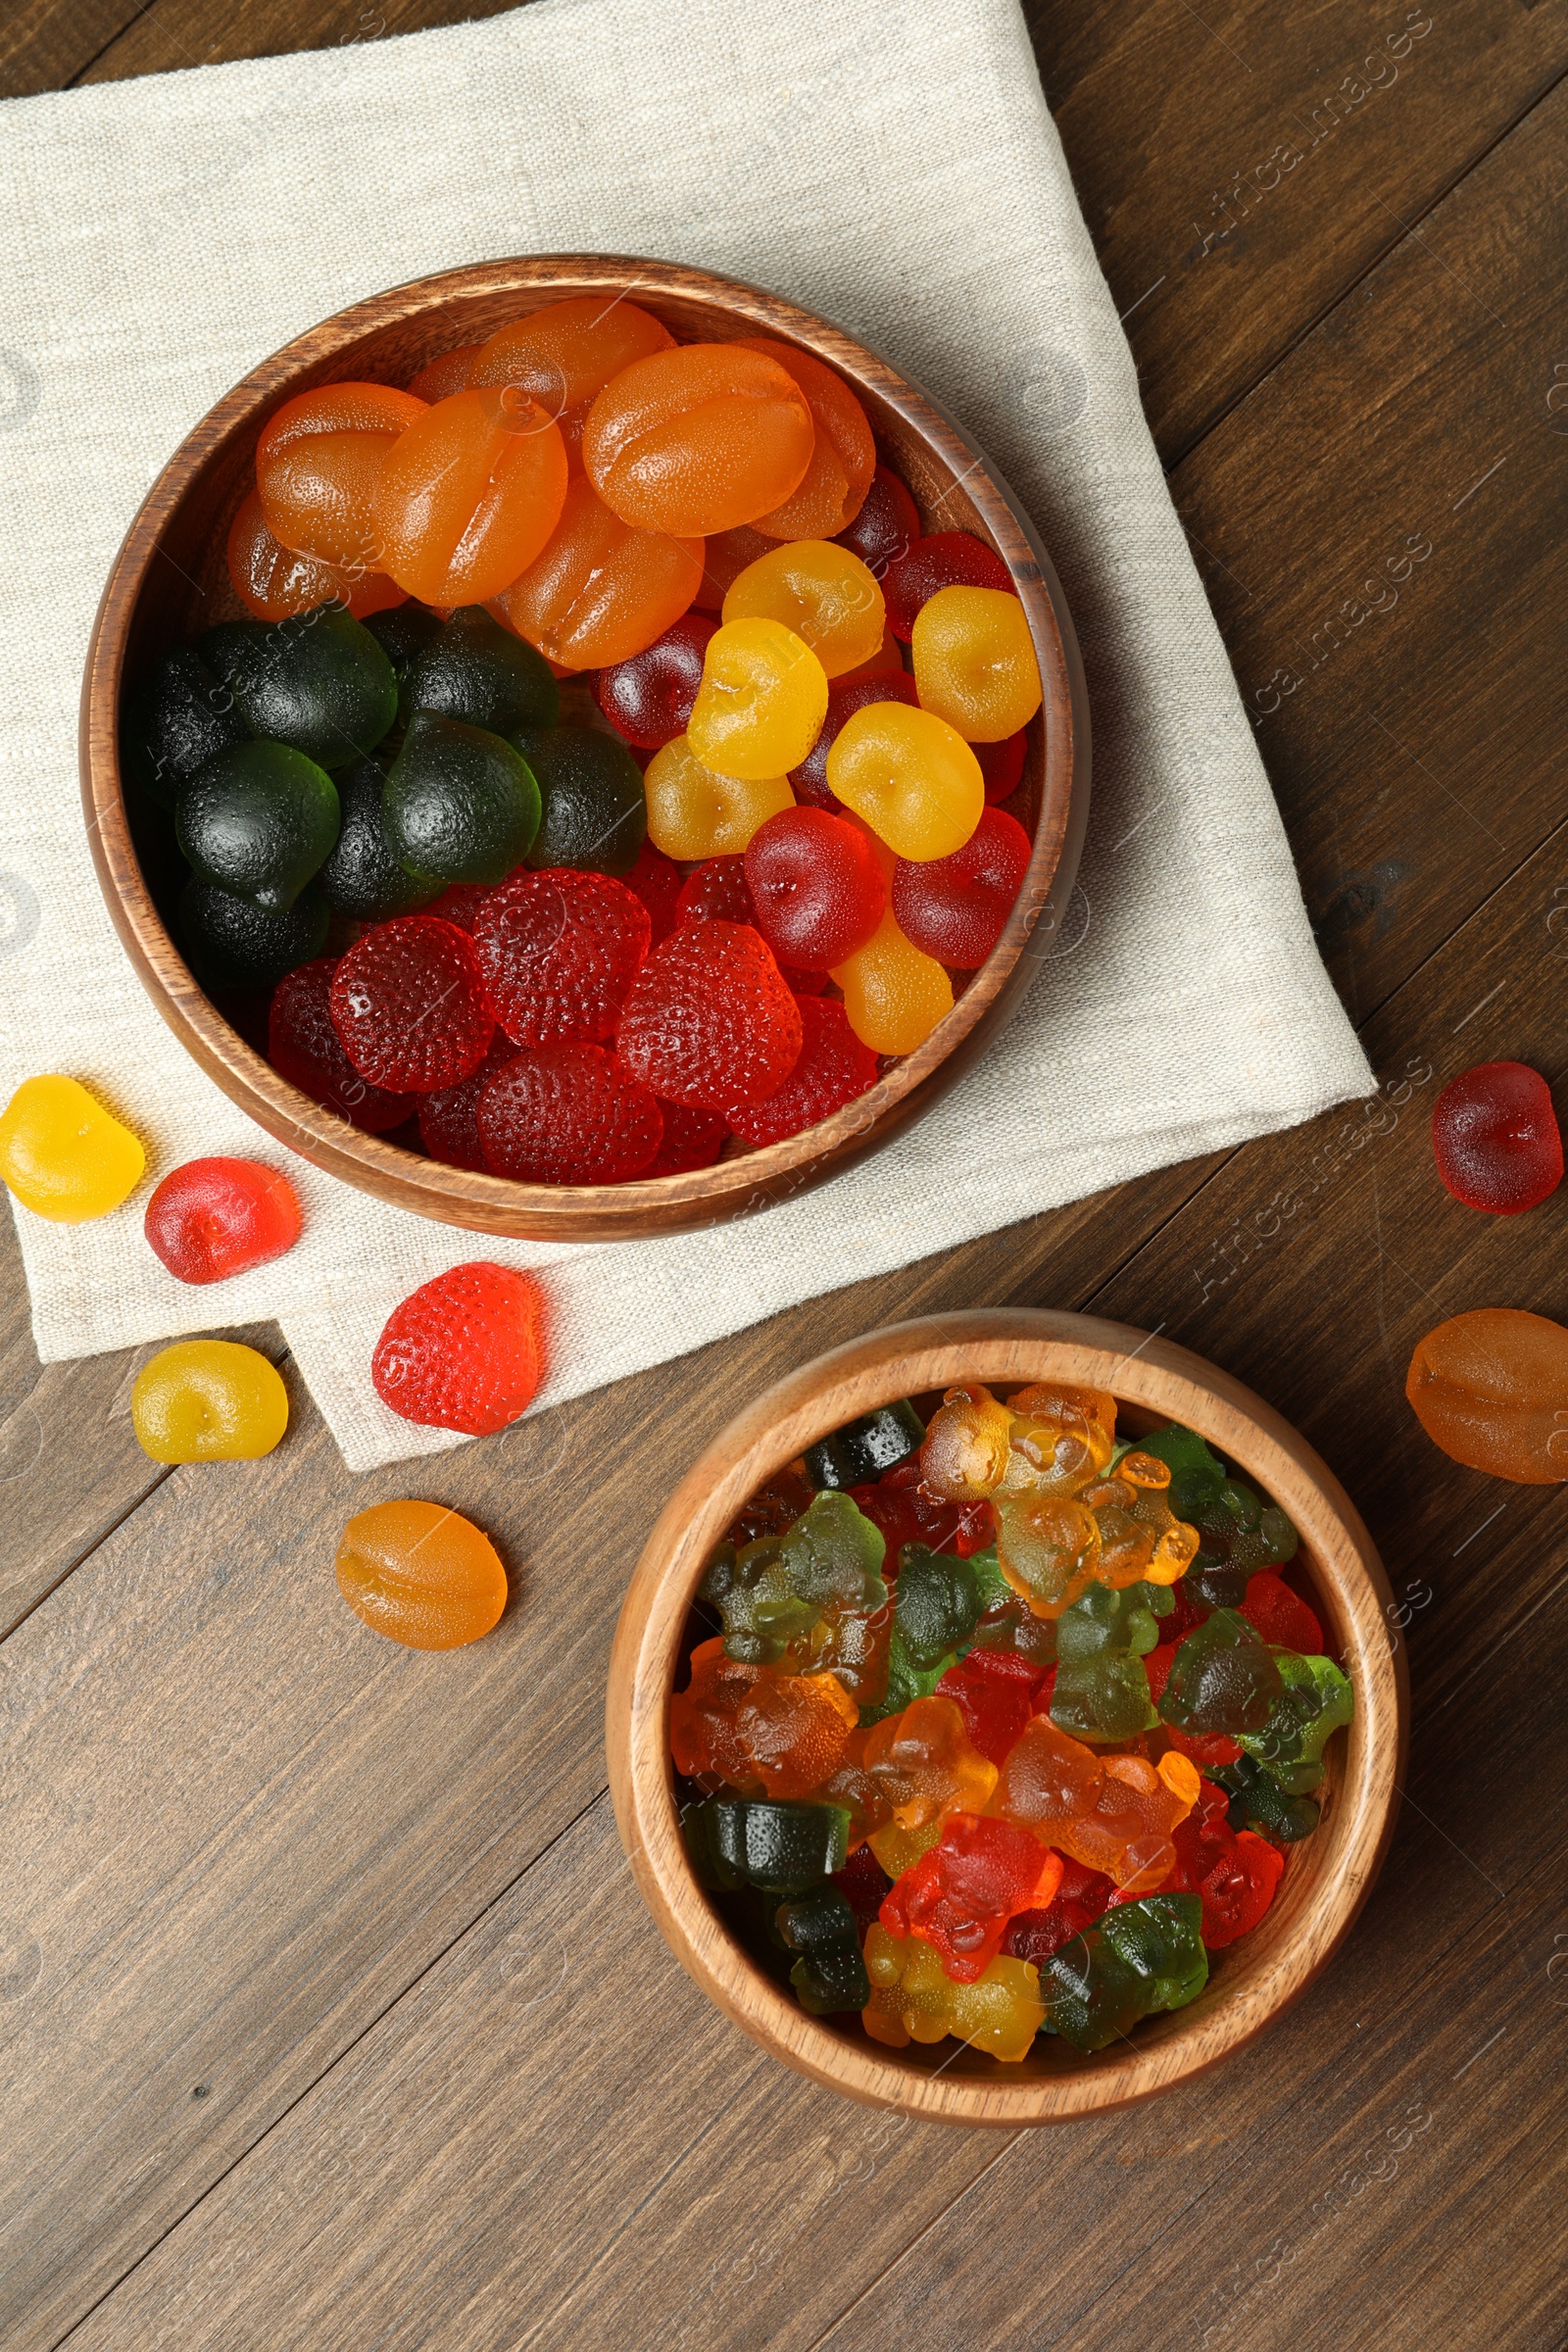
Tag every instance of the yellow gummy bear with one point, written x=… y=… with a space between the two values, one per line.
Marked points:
x=912 y=1997
x=208 y=1400
x=63 y=1154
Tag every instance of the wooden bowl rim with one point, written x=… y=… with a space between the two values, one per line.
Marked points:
x=731 y=1188
x=1004 y=1348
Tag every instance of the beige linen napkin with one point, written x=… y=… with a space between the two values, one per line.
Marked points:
x=890 y=164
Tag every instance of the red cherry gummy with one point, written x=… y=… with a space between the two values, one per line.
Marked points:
x=1280 y=1615
x=657 y=881
x=568 y=1113
x=449 y=1119
x=710 y=1020
x=304 y=1048
x=1001 y=764
x=462 y=1351
x=816 y=885
x=850 y=695
x=887 y=526
x=947 y=560
x=410 y=1006
x=954 y=907
x=693 y=1139
x=833 y=1068
x=558 y=950
x=715 y=891
x=214 y=1217
x=649 y=698
x=1495 y=1138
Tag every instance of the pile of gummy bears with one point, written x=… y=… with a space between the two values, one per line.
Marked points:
x=1006 y=1723
x=705 y=892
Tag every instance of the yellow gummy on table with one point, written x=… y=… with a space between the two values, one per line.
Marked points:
x=63 y=1154
x=209 y=1400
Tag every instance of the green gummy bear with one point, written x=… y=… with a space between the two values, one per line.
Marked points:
x=1102 y=1688
x=863 y=1449
x=1106 y=1623
x=1223 y=1678
x=773 y=1591
x=1263 y=1804
x=834 y=1554
x=938 y=1602
x=1161 y=1935
x=781 y=1847
x=1195 y=1474
x=1140 y=1958
x=830 y=1974
x=1316 y=1701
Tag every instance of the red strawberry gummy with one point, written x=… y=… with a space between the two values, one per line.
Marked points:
x=214 y=1217
x=887 y=526
x=715 y=890
x=568 y=1113
x=410 y=1006
x=449 y=1119
x=809 y=780
x=1495 y=1138
x=459 y=903
x=947 y=560
x=649 y=698
x=833 y=1068
x=816 y=885
x=558 y=950
x=304 y=1048
x=693 y=1139
x=1001 y=764
x=710 y=1020
x=954 y=907
x=657 y=881
x=462 y=1351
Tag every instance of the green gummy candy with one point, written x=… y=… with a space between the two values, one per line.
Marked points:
x=472 y=669
x=834 y=1554
x=595 y=809
x=258 y=821
x=231 y=943
x=460 y=805
x=863 y=1451
x=180 y=716
x=1195 y=1474
x=781 y=1847
x=361 y=878
x=318 y=681
x=1223 y=1679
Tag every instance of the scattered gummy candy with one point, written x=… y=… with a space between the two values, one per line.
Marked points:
x=420 y=1574
x=1491 y=1388
x=208 y=1400
x=215 y=1218
x=462 y=1350
x=1495 y=1138
x=63 y=1154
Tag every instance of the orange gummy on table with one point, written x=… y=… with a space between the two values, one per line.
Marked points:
x=699 y=439
x=565 y=354
x=318 y=464
x=420 y=1574
x=843 y=457
x=600 y=592
x=272 y=581
x=468 y=496
x=1491 y=1388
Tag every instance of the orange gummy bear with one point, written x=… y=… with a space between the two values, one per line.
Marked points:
x=599 y=591
x=923 y=1767
x=420 y=1574
x=698 y=439
x=1113 y=1814
x=778 y=1733
x=966 y=1448
x=566 y=353
x=319 y=465
x=1491 y=1388
x=272 y=581
x=843 y=459
x=468 y=497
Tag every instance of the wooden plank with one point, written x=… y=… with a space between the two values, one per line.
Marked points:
x=1241 y=166
x=45 y=44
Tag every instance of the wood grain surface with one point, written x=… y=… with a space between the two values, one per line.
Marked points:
x=330 y=2020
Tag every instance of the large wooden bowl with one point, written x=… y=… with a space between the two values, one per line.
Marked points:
x=1327 y=1877
x=170 y=580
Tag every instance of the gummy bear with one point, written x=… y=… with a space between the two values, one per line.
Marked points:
x=468 y=495
x=696 y=812
x=843 y=457
x=258 y=821
x=304 y=1048
x=914 y=779
x=913 y=1997
x=410 y=1006
x=937 y=1603
x=967 y=1444
x=1140 y=1958
x=1315 y=1702
x=893 y=994
x=600 y=592
x=1081 y=1896
x=63 y=1154
x=865 y=1447
x=318 y=464
x=215 y=1218
x=887 y=526
x=961 y=1896
x=1491 y=1388
x=567 y=1113
x=1223 y=1679
x=830 y=1975
x=765 y=1732
x=698 y=439
x=208 y=1400
x=816 y=887
x=1234 y=1875
x=776 y=1591
x=975 y=663
x=1280 y=1615
x=956 y=908
x=833 y=1068
x=761 y=702
x=1114 y=1815
x=1048 y=1547
x=1102 y=1689
x=710 y=1020
x=462 y=1351
x=558 y=952
x=1495 y=1138
x=945 y=559
x=565 y=354
x=649 y=697
x=924 y=1768
x=993 y=1691
x=822 y=593
x=420 y=1574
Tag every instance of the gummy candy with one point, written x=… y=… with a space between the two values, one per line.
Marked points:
x=968 y=1444
x=698 y=439
x=319 y=462
x=448 y=374
x=925 y=1769
x=462 y=1351
x=761 y=702
x=716 y=891
x=649 y=698
x=887 y=526
x=912 y=1997
x=303 y=1046
x=945 y=559
x=975 y=662
x=567 y=1113
x=1315 y=1702
x=916 y=783
x=258 y=821
x=963 y=1891
x=319 y=682
x=893 y=994
x=472 y=669
x=468 y=494
x=405 y=634
x=1048 y=1547
x=820 y=592
x=595 y=812
x=1495 y=1138
x=846 y=696
x=710 y=1019
x=865 y=1449
x=843 y=457
x=599 y=591
x=694 y=811
x=1280 y=1615
x=1491 y=1388
x=1102 y=1690
x=955 y=908
x=807 y=1599
x=212 y=1218
x=179 y=717
x=994 y=1691
x=692 y=1139
x=781 y=1846
x=1234 y=1875
x=208 y=1400
x=272 y=580
x=232 y=944
x=422 y=1574
x=1140 y=1958
x=728 y=555
x=830 y=1974
x=461 y=805
x=833 y=1069
x=557 y=951
x=657 y=880
x=1223 y=1679
x=360 y=877
x=448 y=1118
x=563 y=354
x=1081 y=1897
x=63 y=1154
x=1114 y=1814
x=765 y=1734
x=816 y=887
x=410 y=1006
x=1001 y=764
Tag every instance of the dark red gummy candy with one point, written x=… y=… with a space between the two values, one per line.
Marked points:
x=887 y=526
x=1078 y=1902
x=462 y=1350
x=449 y=1119
x=816 y=885
x=1280 y=1615
x=409 y=1003
x=947 y=560
x=649 y=698
x=568 y=1113
x=304 y=1048
x=809 y=780
x=558 y=950
x=1001 y=764
x=657 y=881
x=1495 y=1138
x=954 y=907
x=459 y=903
x=710 y=1020
x=833 y=1068
x=693 y=1139
x=715 y=892
x=214 y=1217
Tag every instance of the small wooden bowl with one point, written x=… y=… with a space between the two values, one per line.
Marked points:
x=1327 y=1877
x=170 y=581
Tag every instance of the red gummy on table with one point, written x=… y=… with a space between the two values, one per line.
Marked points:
x=850 y=695
x=716 y=891
x=692 y=1139
x=955 y=908
x=710 y=1020
x=1079 y=1900
x=649 y=698
x=1495 y=1138
x=558 y=949
x=817 y=886
x=215 y=1218
x=887 y=526
x=657 y=881
x=568 y=1113
x=961 y=1895
x=303 y=1046
x=449 y=1119
x=834 y=1068
x=410 y=1006
x=463 y=1351
x=945 y=559
x=1280 y=1616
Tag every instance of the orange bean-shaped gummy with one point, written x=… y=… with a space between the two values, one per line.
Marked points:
x=842 y=458
x=271 y=581
x=565 y=354
x=698 y=440
x=1491 y=1388
x=318 y=465
x=469 y=494
x=599 y=591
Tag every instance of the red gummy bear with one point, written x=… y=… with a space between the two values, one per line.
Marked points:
x=963 y=1894
x=693 y=1139
x=1280 y=1615
x=716 y=891
x=954 y=907
x=1001 y=764
x=214 y=1217
x=816 y=885
x=449 y=1119
x=947 y=560
x=558 y=950
x=410 y=1006
x=1234 y=1873
x=906 y=1514
x=887 y=526
x=864 y=1883
x=649 y=698
x=809 y=780
x=1080 y=1899
x=994 y=1691
x=1495 y=1138
x=657 y=881
x=710 y=1020
x=834 y=1067
x=568 y=1113
x=302 y=1046
x=462 y=1350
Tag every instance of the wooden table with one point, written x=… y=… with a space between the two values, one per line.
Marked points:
x=330 y=2017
